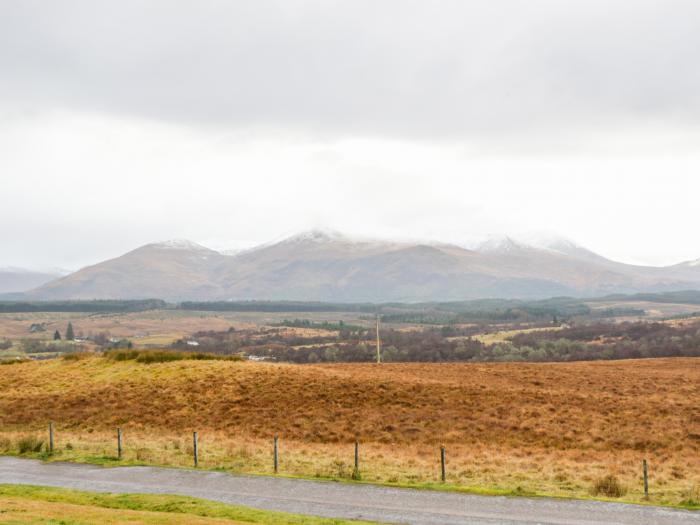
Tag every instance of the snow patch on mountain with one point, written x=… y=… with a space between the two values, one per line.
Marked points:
x=179 y=244
x=316 y=235
x=548 y=241
x=532 y=241
x=499 y=244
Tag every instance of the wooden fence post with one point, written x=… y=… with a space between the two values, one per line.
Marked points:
x=646 y=479
x=119 y=443
x=51 y=437
x=356 y=471
x=194 y=447
x=276 y=454
x=442 y=463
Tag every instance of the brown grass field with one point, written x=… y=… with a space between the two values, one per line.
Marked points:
x=510 y=427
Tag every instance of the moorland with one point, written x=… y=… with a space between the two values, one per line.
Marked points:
x=516 y=428
x=560 y=397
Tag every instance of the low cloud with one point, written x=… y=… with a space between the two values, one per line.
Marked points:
x=360 y=68
x=231 y=123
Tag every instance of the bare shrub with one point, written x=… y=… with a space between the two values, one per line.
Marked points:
x=76 y=356
x=144 y=454
x=691 y=497
x=29 y=444
x=608 y=486
x=164 y=356
x=340 y=469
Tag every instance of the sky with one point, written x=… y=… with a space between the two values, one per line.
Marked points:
x=234 y=123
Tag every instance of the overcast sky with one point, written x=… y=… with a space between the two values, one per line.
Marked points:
x=232 y=123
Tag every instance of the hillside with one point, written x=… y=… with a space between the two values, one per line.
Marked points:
x=544 y=427
x=170 y=270
x=327 y=266
x=396 y=400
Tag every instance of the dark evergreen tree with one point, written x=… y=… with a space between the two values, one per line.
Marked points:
x=69 y=332
x=57 y=336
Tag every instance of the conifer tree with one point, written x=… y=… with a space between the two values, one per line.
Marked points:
x=69 y=332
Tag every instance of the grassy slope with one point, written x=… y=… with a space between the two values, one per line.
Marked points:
x=22 y=504
x=517 y=428
x=608 y=405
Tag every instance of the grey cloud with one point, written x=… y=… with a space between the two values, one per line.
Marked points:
x=390 y=68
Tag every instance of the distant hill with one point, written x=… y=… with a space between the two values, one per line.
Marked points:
x=678 y=297
x=328 y=266
x=171 y=270
x=16 y=280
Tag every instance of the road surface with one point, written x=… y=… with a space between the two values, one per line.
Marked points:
x=338 y=500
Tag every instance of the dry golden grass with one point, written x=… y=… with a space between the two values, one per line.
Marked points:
x=547 y=428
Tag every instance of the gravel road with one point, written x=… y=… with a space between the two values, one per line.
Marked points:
x=337 y=500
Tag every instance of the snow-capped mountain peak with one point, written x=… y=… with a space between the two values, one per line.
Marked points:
x=549 y=241
x=179 y=244
x=536 y=241
x=503 y=243
x=316 y=235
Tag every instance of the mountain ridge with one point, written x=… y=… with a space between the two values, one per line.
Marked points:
x=324 y=265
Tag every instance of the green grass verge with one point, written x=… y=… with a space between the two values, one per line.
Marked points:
x=182 y=505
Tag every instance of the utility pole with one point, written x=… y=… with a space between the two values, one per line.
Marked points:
x=379 y=343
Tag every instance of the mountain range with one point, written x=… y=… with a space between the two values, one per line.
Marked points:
x=328 y=266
